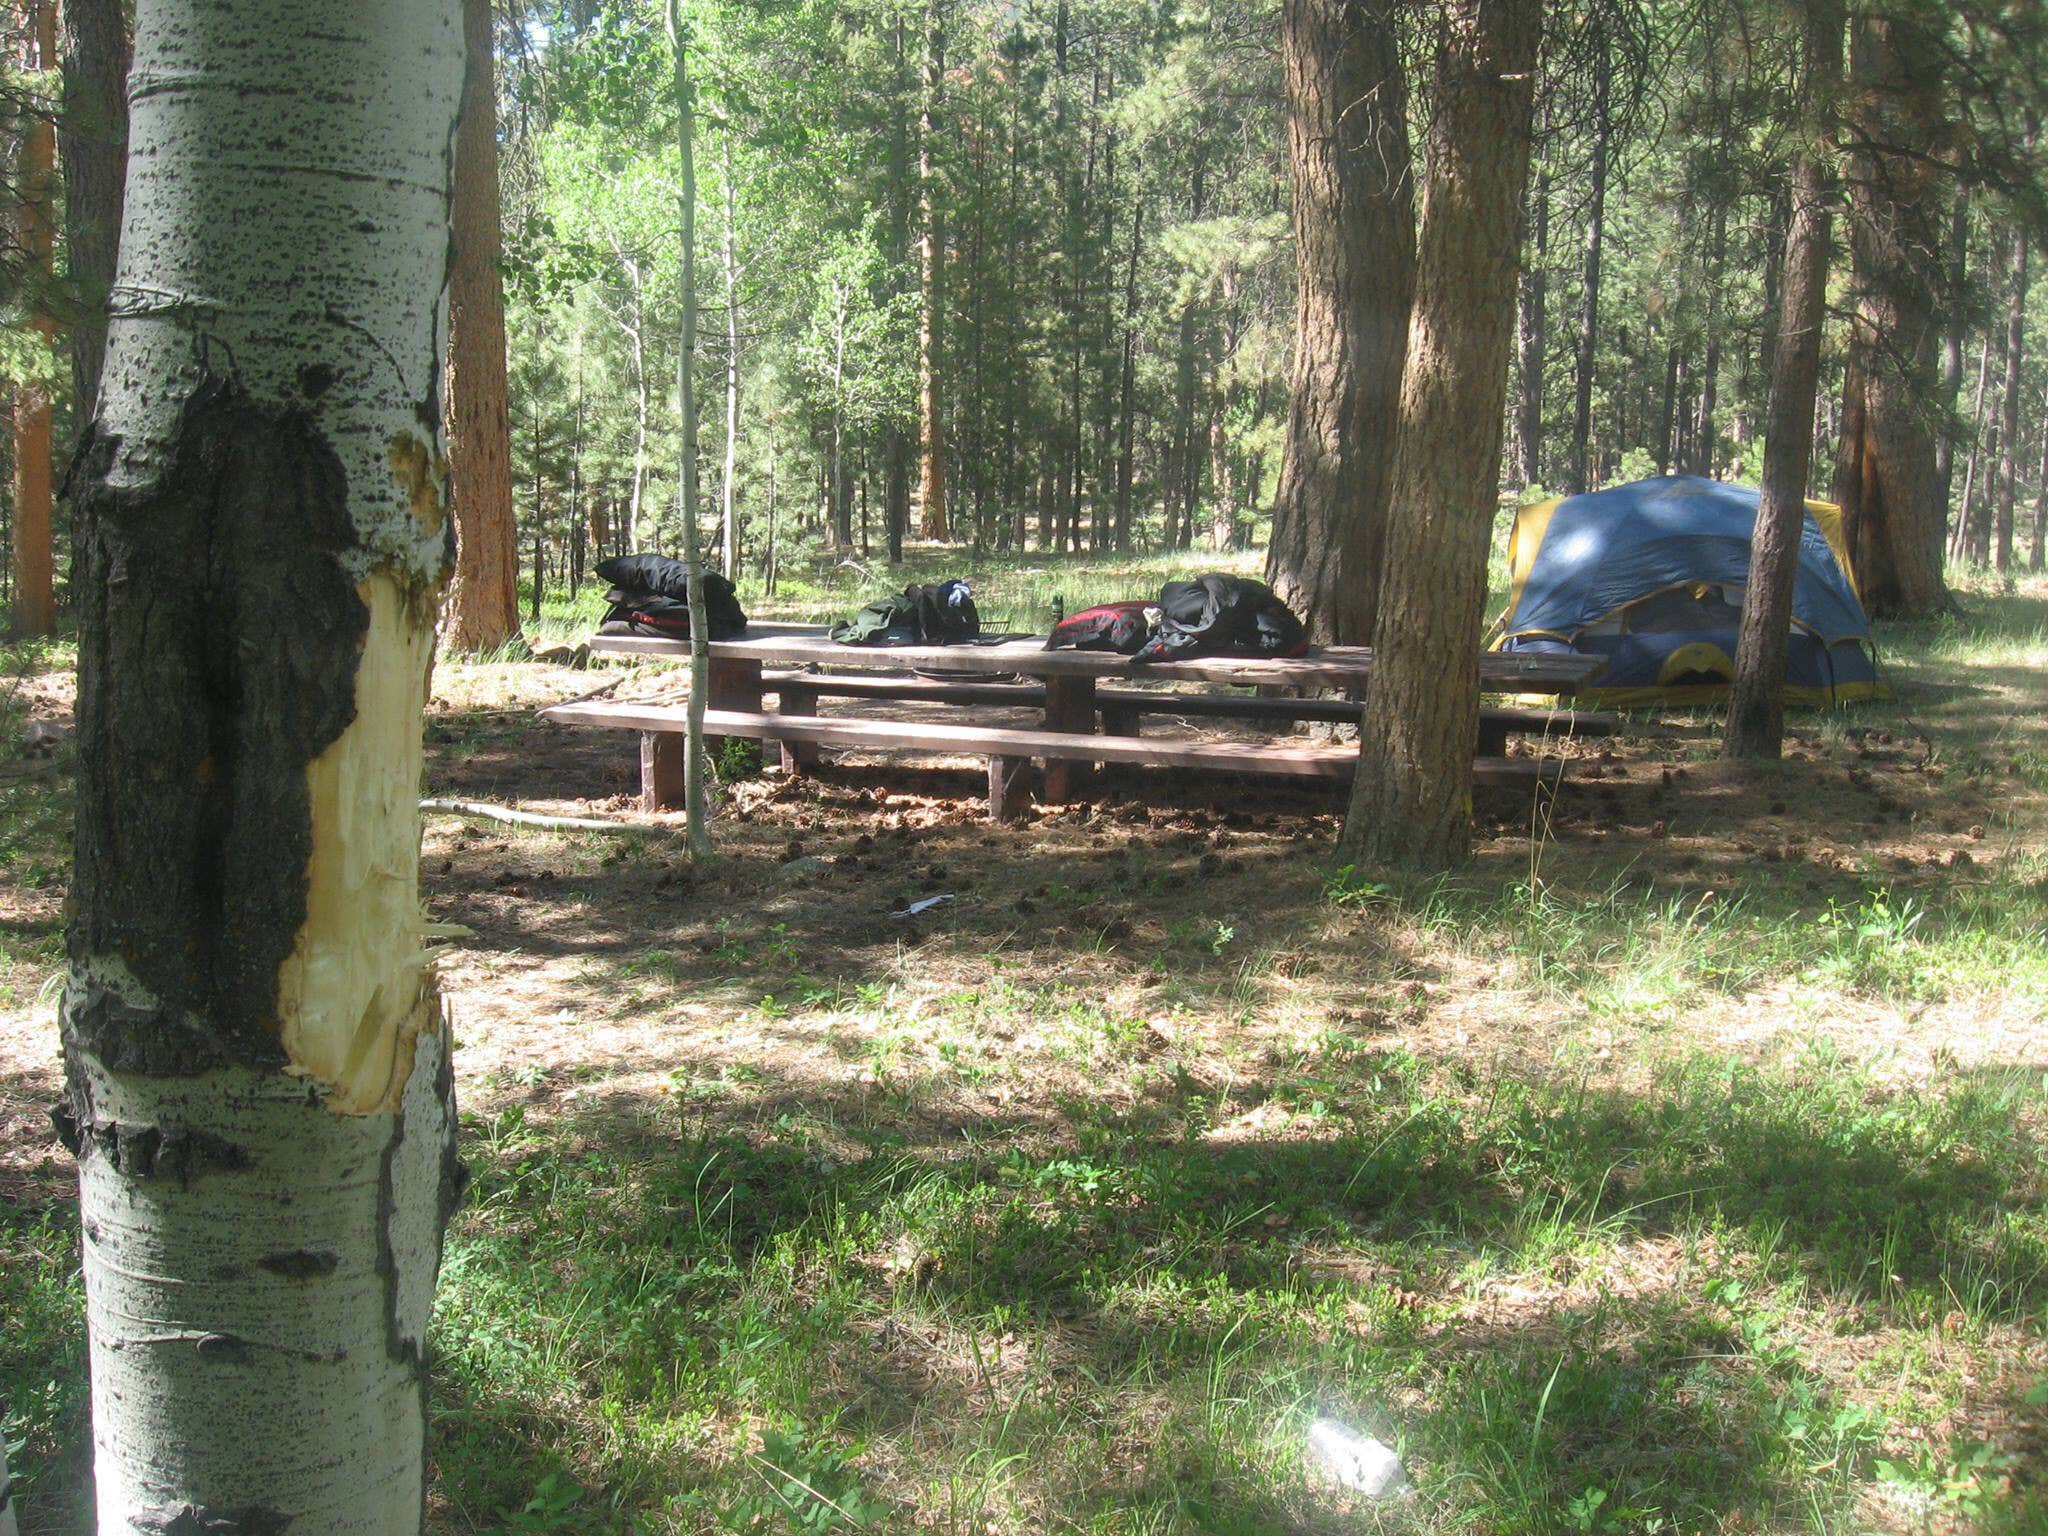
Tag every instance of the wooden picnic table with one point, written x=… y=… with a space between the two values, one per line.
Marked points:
x=1069 y=677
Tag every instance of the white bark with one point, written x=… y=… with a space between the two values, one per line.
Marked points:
x=640 y=408
x=7 y=1525
x=262 y=1225
x=686 y=476
x=729 y=532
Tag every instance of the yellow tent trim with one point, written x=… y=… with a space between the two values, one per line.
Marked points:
x=1524 y=539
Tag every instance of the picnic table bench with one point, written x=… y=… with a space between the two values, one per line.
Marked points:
x=1065 y=694
x=1122 y=708
x=1007 y=750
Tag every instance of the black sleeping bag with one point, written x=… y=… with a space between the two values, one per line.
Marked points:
x=650 y=595
x=1219 y=615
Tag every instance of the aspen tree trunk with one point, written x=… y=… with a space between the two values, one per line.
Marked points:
x=2039 y=555
x=768 y=558
x=728 y=522
x=1963 y=542
x=686 y=476
x=931 y=260
x=1708 y=434
x=1531 y=301
x=483 y=604
x=93 y=137
x=1354 y=222
x=2009 y=424
x=8 y=1525
x=1888 y=477
x=35 y=602
x=1664 y=419
x=257 y=1079
x=1952 y=351
x=1127 y=383
x=1580 y=472
x=637 y=334
x=1412 y=800
x=1756 y=709
x=836 y=498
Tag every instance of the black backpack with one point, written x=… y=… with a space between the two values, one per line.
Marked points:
x=1219 y=615
x=934 y=613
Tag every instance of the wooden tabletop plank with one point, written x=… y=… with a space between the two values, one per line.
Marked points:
x=1332 y=666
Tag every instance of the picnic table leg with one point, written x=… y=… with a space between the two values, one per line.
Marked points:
x=1009 y=786
x=730 y=683
x=1069 y=706
x=661 y=770
x=796 y=699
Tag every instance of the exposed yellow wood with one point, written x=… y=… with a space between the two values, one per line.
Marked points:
x=357 y=990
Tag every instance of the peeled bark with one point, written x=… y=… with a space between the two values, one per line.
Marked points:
x=35 y=602
x=257 y=1080
x=1355 y=260
x=1412 y=800
x=1887 y=477
x=1756 y=709
x=93 y=136
x=483 y=605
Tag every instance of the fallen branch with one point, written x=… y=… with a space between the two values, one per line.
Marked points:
x=598 y=693
x=526 y=818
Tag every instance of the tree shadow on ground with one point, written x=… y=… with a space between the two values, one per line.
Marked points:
x=1408 y=1242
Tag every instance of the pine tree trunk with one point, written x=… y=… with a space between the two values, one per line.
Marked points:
x=1581 y=470
x=35 y=602
x=94 y=135
x=1412 y=800
x=1887 y=478
x=931 y=258
x=257 y=1080
x=1756 y=711
x=1354 y=261
x=699 y=833
x=483 y=606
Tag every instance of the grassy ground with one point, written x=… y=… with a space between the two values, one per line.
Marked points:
x=1679 y=1169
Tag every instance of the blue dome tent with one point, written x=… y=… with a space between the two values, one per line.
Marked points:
x=1651 y=575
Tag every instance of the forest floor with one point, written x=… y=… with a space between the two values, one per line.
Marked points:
x=1678 y=1167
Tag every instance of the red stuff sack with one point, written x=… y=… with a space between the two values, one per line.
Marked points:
x=1119 y=627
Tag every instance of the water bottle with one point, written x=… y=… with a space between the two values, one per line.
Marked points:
x=1059 y=609
x=1357 y=1461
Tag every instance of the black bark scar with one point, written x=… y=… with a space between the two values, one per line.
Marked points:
x=200 y=1520
x=219 y=639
